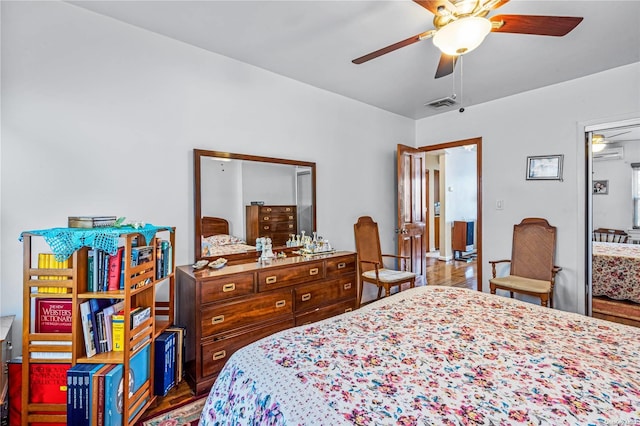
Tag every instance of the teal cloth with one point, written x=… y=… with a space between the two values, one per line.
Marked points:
x=65 y=241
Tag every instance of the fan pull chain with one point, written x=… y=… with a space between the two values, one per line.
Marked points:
x=461 y=87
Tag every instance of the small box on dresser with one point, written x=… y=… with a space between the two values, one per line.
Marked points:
x=229 y=308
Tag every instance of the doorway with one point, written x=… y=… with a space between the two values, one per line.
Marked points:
x=450 y=192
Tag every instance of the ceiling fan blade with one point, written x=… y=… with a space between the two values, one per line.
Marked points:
x=432 y=5
x=446 y=65
x=393 y=47
x=535 y=24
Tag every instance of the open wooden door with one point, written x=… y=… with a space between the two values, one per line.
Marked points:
x=412 y=209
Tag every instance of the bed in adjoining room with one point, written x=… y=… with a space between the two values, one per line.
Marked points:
x=216 y=240
x=436 y=355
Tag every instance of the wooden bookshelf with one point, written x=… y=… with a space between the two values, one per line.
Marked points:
x=69 y=348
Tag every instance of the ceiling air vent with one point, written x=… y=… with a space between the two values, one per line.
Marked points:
x=442 y=103
x=609 y=154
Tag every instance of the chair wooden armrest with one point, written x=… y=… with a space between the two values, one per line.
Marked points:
x=396 y=256
x=493 y=265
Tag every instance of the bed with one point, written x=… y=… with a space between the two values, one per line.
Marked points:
x=616 y=271
x=216 y=240
x=435 y=355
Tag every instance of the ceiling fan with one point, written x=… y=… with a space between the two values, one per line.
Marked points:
x=599 y=142
x=461 y=26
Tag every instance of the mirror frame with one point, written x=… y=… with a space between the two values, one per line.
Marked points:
x=198 y=154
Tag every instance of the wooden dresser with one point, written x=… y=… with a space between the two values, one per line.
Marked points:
x=227 y=309
x=275 y=222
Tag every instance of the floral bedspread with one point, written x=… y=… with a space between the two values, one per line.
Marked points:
x=436 y=356
x=616 y=271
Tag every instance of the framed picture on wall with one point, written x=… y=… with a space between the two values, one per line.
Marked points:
x=544 y=167
x=600 y=186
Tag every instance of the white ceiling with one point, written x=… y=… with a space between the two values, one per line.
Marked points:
x=315 y=41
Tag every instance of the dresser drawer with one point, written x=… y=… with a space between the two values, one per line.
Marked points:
x=341 y=265
x=216 y=353
x=226 y=287
x=310 y=296
x=254 y=310
x=277 y=217
x=285 y=277
x=326 y=312
x=271 y=210
x=278 y=227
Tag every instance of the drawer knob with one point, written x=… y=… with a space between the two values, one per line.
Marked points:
x=348 y=310
x=219 y=355
x=306 y=297
x=291 y=226
x=265 y=218
x=228 y=287
x=271 y=280
x=290 y=217
x=281 y=303
x=268 y=209
x=288 y=209
x=265 y=227
x=217 y=320
x=347 y=286
x=342 y=265
x=313 y=271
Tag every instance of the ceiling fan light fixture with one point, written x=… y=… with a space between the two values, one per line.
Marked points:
x=462 y=35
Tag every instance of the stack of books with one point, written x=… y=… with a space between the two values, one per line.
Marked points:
x=91 y=221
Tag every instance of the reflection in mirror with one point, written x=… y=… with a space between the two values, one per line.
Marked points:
x=239 y=198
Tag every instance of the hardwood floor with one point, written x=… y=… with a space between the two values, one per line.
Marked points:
x=453 y=273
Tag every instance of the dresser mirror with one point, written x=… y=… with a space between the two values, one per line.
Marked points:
x=240 y=196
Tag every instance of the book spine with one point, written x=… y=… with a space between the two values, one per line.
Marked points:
x=87 y=329
x=53 y=316
x=114 y=270
x=117 y=331
x=90 y=265
x=100 y=401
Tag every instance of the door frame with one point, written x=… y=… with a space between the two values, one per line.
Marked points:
x=588 y=130
x=478 y=143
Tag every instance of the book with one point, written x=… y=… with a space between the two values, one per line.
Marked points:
x=100 y=395
x=114 y=401
x=140 y=255
x=181 y=348
x=91 y=272
x=50 y=354
x=87 y=329
x=108 y=326
x=53 y=315
x=139 y=369
x=96 y=306
x=48 y=261
x=115 y=270
x=117 y=331
x=97 y=395
x=47 y=384
x=164 y=363
x=140 y=315
x=90 y=221
x=79 y=379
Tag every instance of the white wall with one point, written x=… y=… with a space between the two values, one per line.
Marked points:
x=99 y=117
x=550 y=120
